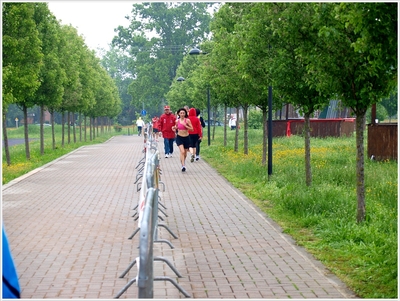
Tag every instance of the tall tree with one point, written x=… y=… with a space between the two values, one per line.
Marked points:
x=22 y=59
x=255 y=58
x=358 y=61
x=294 y=32
x=154 y=61
x=52 y=75
x=71 y=45
x=108 y=103
x=185 y=92
x=103 y=90
x=116 y=62
x=224 y=66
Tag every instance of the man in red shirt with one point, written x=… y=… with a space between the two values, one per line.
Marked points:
x=167 y=121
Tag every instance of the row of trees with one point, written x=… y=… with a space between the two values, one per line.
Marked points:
x=309 y=53
x=47 y=64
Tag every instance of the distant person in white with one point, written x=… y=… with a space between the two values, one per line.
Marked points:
x=232 y=123
x=140 y=125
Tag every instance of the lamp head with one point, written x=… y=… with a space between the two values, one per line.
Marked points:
x=194 y=51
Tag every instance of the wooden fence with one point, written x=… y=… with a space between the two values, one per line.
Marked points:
x=382 y=141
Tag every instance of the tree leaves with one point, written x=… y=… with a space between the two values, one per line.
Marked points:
x=154 y=61
x=22 y=57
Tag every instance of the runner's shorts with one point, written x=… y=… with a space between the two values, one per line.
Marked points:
x=193 y=140
x=183 y=140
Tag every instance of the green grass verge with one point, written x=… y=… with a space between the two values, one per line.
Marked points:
x=322 y=218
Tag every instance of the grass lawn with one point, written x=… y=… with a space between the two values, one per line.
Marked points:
x=322 y=218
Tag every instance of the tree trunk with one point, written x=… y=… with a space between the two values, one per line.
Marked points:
x=27 y=152
x=80 y=127
x=360 y=121
x=41 y=130
x=94 y=128
x=245 y=130
x=90 y=128
x=85 y=128
x=236 y=148
x=307 y=149
x=6 y=149
x=53 y=133
x=62 y=129
x=287 y=112
x=225 y=124
x=265 y=133
x=373 y=114
x=215 y=123
x=73 y=127
x=69 y=126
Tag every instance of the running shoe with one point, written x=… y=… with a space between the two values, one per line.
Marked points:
x=192 y=159
x=183 y=168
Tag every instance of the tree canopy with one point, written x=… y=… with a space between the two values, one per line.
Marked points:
x=153 y=61
x=49 y=65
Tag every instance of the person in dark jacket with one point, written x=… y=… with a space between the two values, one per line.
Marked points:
x=196 y=134
x=203 y=124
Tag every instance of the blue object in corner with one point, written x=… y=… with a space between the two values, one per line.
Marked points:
x=11 y=289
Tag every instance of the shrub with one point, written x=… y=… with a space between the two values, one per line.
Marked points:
x=255 y=119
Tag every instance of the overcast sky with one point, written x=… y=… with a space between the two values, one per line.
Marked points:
x=94 y=20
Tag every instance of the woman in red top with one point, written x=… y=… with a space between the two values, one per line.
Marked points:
x=196 y=134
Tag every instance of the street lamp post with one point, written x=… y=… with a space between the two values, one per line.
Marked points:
x=269 y=131
x=269 y=127
x=208 y=112
x=196 y=51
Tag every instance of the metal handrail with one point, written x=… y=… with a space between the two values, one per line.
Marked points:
x=147 y=211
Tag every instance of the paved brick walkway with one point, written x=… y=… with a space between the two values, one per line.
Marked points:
x=68 y=225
